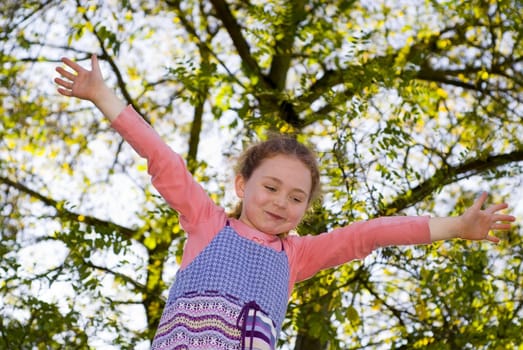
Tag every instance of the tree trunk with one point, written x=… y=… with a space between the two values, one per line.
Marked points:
x=306 y=342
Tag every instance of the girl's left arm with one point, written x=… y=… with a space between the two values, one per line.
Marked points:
x=473 y=224
x=310 y=254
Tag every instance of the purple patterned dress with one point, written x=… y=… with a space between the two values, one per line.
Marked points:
x=233 y=295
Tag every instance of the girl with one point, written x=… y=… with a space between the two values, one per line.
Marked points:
x=236 y=275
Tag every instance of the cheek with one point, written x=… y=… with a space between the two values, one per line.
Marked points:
x=299 y=212
x=255 y=198
x=259 y=196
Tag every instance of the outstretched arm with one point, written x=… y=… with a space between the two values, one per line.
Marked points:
x=89 y=85
x=355 y=241
x=473 y=224
x=167 y=169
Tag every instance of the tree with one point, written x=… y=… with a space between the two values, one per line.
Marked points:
x=412 y=107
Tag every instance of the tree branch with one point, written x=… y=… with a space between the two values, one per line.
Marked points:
x=241 y=45
x=448 y=175
x=65 y=214
x=283 y=48
x=119 y=77
x=269 y=99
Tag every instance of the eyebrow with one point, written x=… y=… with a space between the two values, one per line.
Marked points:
x=280 y=181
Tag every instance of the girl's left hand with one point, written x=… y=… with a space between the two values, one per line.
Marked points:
x=477 y=223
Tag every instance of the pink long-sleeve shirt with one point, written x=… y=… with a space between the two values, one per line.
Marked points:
x=202 y=219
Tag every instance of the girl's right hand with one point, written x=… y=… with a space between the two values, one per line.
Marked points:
x=89 y=85
x=84 y=84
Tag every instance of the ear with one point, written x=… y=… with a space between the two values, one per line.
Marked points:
x=239 y=186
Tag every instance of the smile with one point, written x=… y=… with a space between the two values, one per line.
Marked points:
x=275 y=216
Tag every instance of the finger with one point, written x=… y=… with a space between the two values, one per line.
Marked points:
x=501 y=227
x=492 y=239
x=496 y=207
x=94 y=63
x=64 y=92
x=508 y=218
x=64 y=83
x=75 y=66
x=65 y=73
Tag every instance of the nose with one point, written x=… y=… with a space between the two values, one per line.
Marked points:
x=280 y=201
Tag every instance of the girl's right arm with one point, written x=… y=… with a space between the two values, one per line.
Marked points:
x=169 y=175
x=167 y=169
x=89 y=85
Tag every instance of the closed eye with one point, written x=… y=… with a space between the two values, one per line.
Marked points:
x=270 y=188
x=297 y=200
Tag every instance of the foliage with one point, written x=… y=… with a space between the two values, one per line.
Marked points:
x=413 y=108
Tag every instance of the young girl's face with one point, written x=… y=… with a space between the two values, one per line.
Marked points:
x=276 y=195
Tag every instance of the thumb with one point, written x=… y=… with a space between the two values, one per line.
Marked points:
x=478 y=203
x=95 y=66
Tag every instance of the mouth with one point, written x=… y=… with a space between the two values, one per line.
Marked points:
x=275 y=216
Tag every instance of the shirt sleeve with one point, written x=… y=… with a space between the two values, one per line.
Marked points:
x=311 y=254
x=169 y=175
